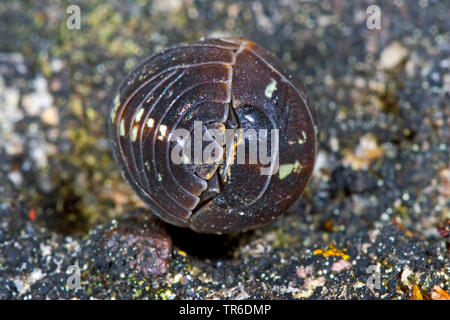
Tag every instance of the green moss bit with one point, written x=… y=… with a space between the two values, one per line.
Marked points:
x=271 y=87
x=288 y=168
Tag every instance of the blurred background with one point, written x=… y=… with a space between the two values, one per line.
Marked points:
x=376 y=208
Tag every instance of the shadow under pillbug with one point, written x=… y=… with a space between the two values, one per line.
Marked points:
x=210 y=87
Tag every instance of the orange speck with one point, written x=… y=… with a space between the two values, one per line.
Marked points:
x=32 y=214
x=409 y=234
x=439 y=294
x=416 y=293
x=332 y=251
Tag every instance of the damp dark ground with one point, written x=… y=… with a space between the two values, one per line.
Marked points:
x=372 y=224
